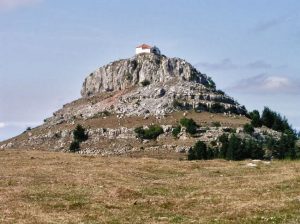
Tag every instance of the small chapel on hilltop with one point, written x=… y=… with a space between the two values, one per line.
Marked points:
x=145 y=48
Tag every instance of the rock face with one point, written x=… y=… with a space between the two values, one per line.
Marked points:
x=141 y=68
x=147 y=84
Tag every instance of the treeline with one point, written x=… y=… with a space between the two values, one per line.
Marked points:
x=270 y=119
x=234 y=147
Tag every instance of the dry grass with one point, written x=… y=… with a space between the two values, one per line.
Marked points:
x=45 y=187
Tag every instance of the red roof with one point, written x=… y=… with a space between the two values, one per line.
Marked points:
x=144 y=46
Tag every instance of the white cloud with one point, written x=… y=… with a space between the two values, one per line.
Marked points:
x=268 y=84
x=2 y=125
x=11 y=4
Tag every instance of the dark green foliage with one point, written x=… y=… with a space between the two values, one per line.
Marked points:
x=216 y=124
x=190 y=125
x=176 y=130
x=151 y=133
x=220 y=92
x=178 y=104
x=198 y=152
x=145 y=82
x=283 y=148
x=217 y=108
x=211 y=84
x=75 y=146
x=201 y=107
x=248 y=128
x=274 y=120
x=255 y=119
x=234 y=148
x=252 y=149
x=28 y=129
x=225 y=142
x=79 y=134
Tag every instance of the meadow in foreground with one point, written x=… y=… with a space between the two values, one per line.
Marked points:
x=47 y=187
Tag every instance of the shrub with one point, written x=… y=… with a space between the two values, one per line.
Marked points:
x=190 y=125
x=177 y=104
x=216 y=124
x=223 y=150
x=145 y=82
x=176 y=130
x=217 y=108
x=151 y=133
x=275 y=121
x=233 y=148
x=255 y=119
x=79 y=134
x=75 y=146
x=248 y=128
x=198 y=152
x=28 y=129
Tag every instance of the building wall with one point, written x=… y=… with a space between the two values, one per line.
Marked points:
x=140 y=50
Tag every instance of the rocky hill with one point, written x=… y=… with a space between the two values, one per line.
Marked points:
x=143 y=90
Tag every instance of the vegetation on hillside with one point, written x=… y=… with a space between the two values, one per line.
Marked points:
x=149 y=133
x=79 y=135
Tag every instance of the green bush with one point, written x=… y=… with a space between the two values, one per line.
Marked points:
x=145 y=82
x=198 y=152
x=248 y=128
x=190 y=125
x=255 y=119
x=217 y=108
x=75 y=146
x=216 y=124
x=176 y=130
x=151 y=133
x=79 y=134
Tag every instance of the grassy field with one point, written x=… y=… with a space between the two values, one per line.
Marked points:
x=45 y=187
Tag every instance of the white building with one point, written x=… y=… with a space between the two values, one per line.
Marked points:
x=144 y=48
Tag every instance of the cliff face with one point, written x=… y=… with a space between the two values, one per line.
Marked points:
x=122 y=74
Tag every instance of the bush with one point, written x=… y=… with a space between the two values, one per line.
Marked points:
x=255 y=119
x=216 y=124
x=223 y=150
x=190 y=125
x=176 y=130
x=248 y=128
x=198 y=152
x=151 y=133
x=79 y=134
x=275 y=121
x=217 y=108
x=145 y=82
x=75 y=146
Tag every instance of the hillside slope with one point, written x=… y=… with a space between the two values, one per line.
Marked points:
x=144 y=90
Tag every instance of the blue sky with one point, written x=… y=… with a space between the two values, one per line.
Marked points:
x=251 y=48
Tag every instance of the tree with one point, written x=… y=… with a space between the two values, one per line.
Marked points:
x=176 y=130
x=190 y=125
x=151 y=133
x=223 y=150
x=255 y=119
x=248 y=128
x=234 y=148
x=198 y=152
x=75 y=146
x=79 y=134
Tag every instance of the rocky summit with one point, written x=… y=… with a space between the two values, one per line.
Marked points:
x=147 y=89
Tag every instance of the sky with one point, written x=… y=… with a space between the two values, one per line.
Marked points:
x=251 y=48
